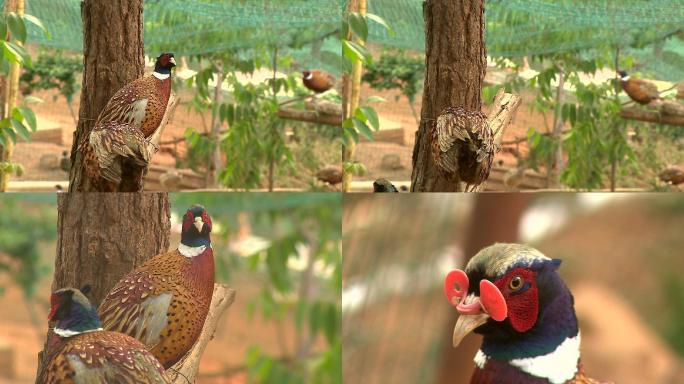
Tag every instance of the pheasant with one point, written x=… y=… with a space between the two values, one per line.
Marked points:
x=512 y=295
x=81 y=352
x=317 y=80
x=463 y=146
x=122 y=143
x=164 y=302
x=641 y=91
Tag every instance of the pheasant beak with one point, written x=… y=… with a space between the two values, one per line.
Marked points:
x=199 y=224
x=471 y=317
x=173 y=61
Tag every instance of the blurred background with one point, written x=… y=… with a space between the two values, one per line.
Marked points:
x=622 y=258
x=282 y=253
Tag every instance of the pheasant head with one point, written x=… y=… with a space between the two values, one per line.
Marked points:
x=512 y=295
x=164 y=63
x=73 y=313
x=196 y=227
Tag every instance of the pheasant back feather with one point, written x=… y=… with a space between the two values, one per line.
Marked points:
x=102 y=357
x=163 y=303
x=463 y=145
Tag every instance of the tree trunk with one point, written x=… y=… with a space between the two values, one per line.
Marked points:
x=112 y=57
x=215 y=162
x=495 y=218
x=456 y=63
x=103 y=236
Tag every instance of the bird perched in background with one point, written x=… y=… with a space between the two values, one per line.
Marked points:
x=384 y=185
x=81 y=352
x=122 y=144
x=331 y=174
x=164 y=302
x=512 y=295
x=65 y=162
x=674 y=174
x=317 y=80
x=641 y=91
x=463 y=145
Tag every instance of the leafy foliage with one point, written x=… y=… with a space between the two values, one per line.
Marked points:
x=54 y=69
x=397 y=70
x=25 y=226
x=20 y=121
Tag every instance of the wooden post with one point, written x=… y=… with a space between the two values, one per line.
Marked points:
x=355 y=94
x=12 y=90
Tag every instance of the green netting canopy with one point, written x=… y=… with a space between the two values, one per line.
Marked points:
x=196 y=27
x=531 y=27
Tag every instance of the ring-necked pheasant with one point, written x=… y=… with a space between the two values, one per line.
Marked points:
x=81 y=352
x=317 y=80
x=122 y=142
x=641 y=91
x=164 y=302
x=512 y=295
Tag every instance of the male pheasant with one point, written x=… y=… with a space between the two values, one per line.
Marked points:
x=317 y=80
x=641 y=91
x=121 y=144
x=512 y=295
x=164 y=302
x=81 y=352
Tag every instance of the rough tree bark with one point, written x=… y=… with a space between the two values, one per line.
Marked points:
x=112 y=56
x=456 y=62
x=495 y=218
x=103 y=236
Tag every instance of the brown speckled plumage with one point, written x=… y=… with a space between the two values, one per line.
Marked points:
x=120 y=139
x=101 y=357
x=190 y=283
x=463 y=145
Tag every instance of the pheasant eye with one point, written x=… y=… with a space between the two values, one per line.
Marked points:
x=516 y=283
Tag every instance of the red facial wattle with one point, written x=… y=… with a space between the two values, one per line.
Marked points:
x=491 y=300
x=523 y=305
x=54 y=305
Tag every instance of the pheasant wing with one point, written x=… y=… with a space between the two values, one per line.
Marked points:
x=137 y=307
x=113 y=142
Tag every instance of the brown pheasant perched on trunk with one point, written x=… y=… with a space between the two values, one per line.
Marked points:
x=120 y=146
x=463 y=145
x=164 y=302
x=641 y=91
x=317 y=80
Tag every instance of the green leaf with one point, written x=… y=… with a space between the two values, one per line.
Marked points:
x=35 y=21
x=382 y=22
x=372 y=117
x=358 y=25
x=356 y=52
x=16 y=53
x=32 y=100
x=375 y=99
x=30 y=117
x=16 y=26
x=10 y=132
x=3 y=27
x=363 y=129
x=21 y=129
